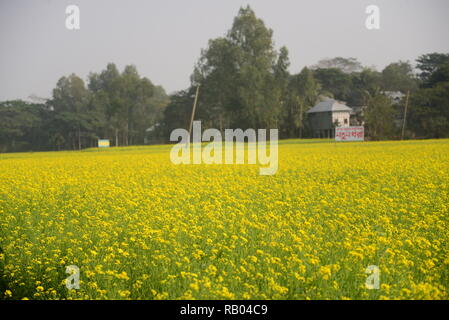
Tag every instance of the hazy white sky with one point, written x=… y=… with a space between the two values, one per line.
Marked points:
x=163 y=38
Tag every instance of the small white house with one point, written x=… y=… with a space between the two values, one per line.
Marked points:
x=395 y=96
x=326 y=115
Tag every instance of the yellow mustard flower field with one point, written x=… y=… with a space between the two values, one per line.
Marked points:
x=139 y=227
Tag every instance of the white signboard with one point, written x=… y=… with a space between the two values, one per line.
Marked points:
x=103 y=143
x=349 y=133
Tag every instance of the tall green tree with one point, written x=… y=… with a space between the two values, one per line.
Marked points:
x=217 y=74
x=364 y=84
x=398 y=76
x=255 y=61
x=136 y=106
x=433 y=68
x=335 y=83
x=127 y=104
x=238 y=75
x=379 y=117
x=22 y=126
x=178 y=111
x=429 y=112
x=346 y=65
x=303 y=92
x=107 y=101
x=429 y=109
x=70 y=102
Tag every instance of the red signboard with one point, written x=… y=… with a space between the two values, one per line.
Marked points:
x=349 y=134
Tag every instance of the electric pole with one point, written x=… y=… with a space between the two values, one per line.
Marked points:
x=405 y=115
x=193 y=110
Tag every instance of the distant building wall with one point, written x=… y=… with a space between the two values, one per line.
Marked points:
x=342 y=117
x=323 y=123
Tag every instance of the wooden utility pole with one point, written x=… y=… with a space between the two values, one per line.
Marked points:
x=193 y=110
x=405 y=114
x=300 y=117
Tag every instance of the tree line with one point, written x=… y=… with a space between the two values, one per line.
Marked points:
x=119 y=106
x=244 y=83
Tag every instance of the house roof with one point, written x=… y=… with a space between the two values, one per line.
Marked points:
x=329 y=105
x=394 y=94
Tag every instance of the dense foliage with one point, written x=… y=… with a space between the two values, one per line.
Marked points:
x=113 y=105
